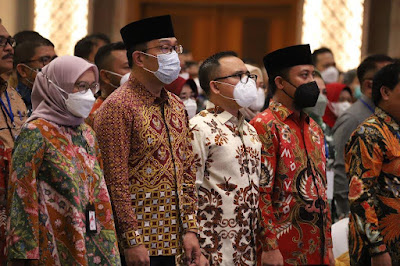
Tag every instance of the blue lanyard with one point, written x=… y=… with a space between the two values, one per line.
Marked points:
x=326 y=149
x=9 y=112
x=368 y=106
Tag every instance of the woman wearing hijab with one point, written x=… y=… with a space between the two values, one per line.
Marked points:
x=339 y=100
x=60 y=211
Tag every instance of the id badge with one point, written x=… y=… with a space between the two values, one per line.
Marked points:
x=91 y=225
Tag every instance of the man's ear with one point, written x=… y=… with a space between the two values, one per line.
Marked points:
x=22 y=70
x=104 y=77
x=366 y=84
x=279 y=82
x=214 y=87
x=137 y=58
x=385 y=93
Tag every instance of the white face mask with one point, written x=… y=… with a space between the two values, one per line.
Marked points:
x=79 y=104
x=169 y=67
x=243 y=94
x=339 y=108
x=113 y=73
x=330 y=75
x=191 y=107
x=258 y=104
x=124 y=78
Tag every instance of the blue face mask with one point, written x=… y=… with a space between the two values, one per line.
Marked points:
x=357 y=92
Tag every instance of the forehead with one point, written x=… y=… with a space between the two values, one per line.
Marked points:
x=119 y=55
x=230 y=65
x=3 y=31
x=324 y=57
x=301 y=68
x=170 y=41
x=44 y=51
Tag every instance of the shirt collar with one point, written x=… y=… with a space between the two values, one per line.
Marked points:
x=283 y=113
x=388 y=120
x=146 y=95
x=224 y=116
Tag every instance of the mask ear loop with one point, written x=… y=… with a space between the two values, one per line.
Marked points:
x=148 y=70
x=226 y=97
x=58 y=87
x=291 y=97
x=34 y=70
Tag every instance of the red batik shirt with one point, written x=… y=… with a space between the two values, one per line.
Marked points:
x=293 y=200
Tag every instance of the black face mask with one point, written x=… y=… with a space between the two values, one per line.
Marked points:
x=306 y=95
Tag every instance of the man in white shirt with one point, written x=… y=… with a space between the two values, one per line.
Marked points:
x=228 y=157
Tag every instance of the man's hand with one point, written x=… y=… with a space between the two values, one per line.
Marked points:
x=272 y=257
x=203 y=261
x=381 y=260
x=331 y=257
x=192 y=248
x=137 y=256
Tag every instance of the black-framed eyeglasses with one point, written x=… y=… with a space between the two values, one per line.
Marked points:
x=243 y=77
x=167 y=49
x=43 y=59
x=10 y=40
x=83 y=87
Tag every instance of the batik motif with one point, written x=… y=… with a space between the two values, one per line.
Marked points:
x=148 y=165
x=293 y=201
x=228 y=157
x=373 y=168
x=56 y=171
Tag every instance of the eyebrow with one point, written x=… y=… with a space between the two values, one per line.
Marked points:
x=166 y=40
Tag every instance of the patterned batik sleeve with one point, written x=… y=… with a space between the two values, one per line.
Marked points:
x=363 y=166
x=270 y=145
x=200 y=150
x=113 y=127
x=23 y=223
x=188 y=193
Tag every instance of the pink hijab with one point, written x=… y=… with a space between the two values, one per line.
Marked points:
x=47 y=100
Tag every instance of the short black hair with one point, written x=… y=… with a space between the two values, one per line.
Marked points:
x=319 y=51
x=208 y=69
x=24 y=51
x=27 y=35
x=370 y=63
x=284 y=73
x=84 y=46
x=388 y=76
x=105 y=51
x=136 y=47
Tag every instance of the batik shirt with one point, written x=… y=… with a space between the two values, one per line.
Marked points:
x=228 y=160
x=373 y=168
x=90 y=119
x=149 y=169
x=11 y=118
x=293 y=200
x=5 y=159
x=56 y=173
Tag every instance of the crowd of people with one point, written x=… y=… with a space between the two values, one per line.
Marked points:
x=133 y=153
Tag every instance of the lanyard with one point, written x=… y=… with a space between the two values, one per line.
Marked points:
x=8 y=112
x=368 y=106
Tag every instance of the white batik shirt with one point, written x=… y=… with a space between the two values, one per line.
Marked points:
x=228 y=157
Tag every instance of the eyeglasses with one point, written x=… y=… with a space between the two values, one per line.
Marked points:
x=43 y=59
x=167 y=49
x=83 y=87
x=10 y=40
x=243 y=77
